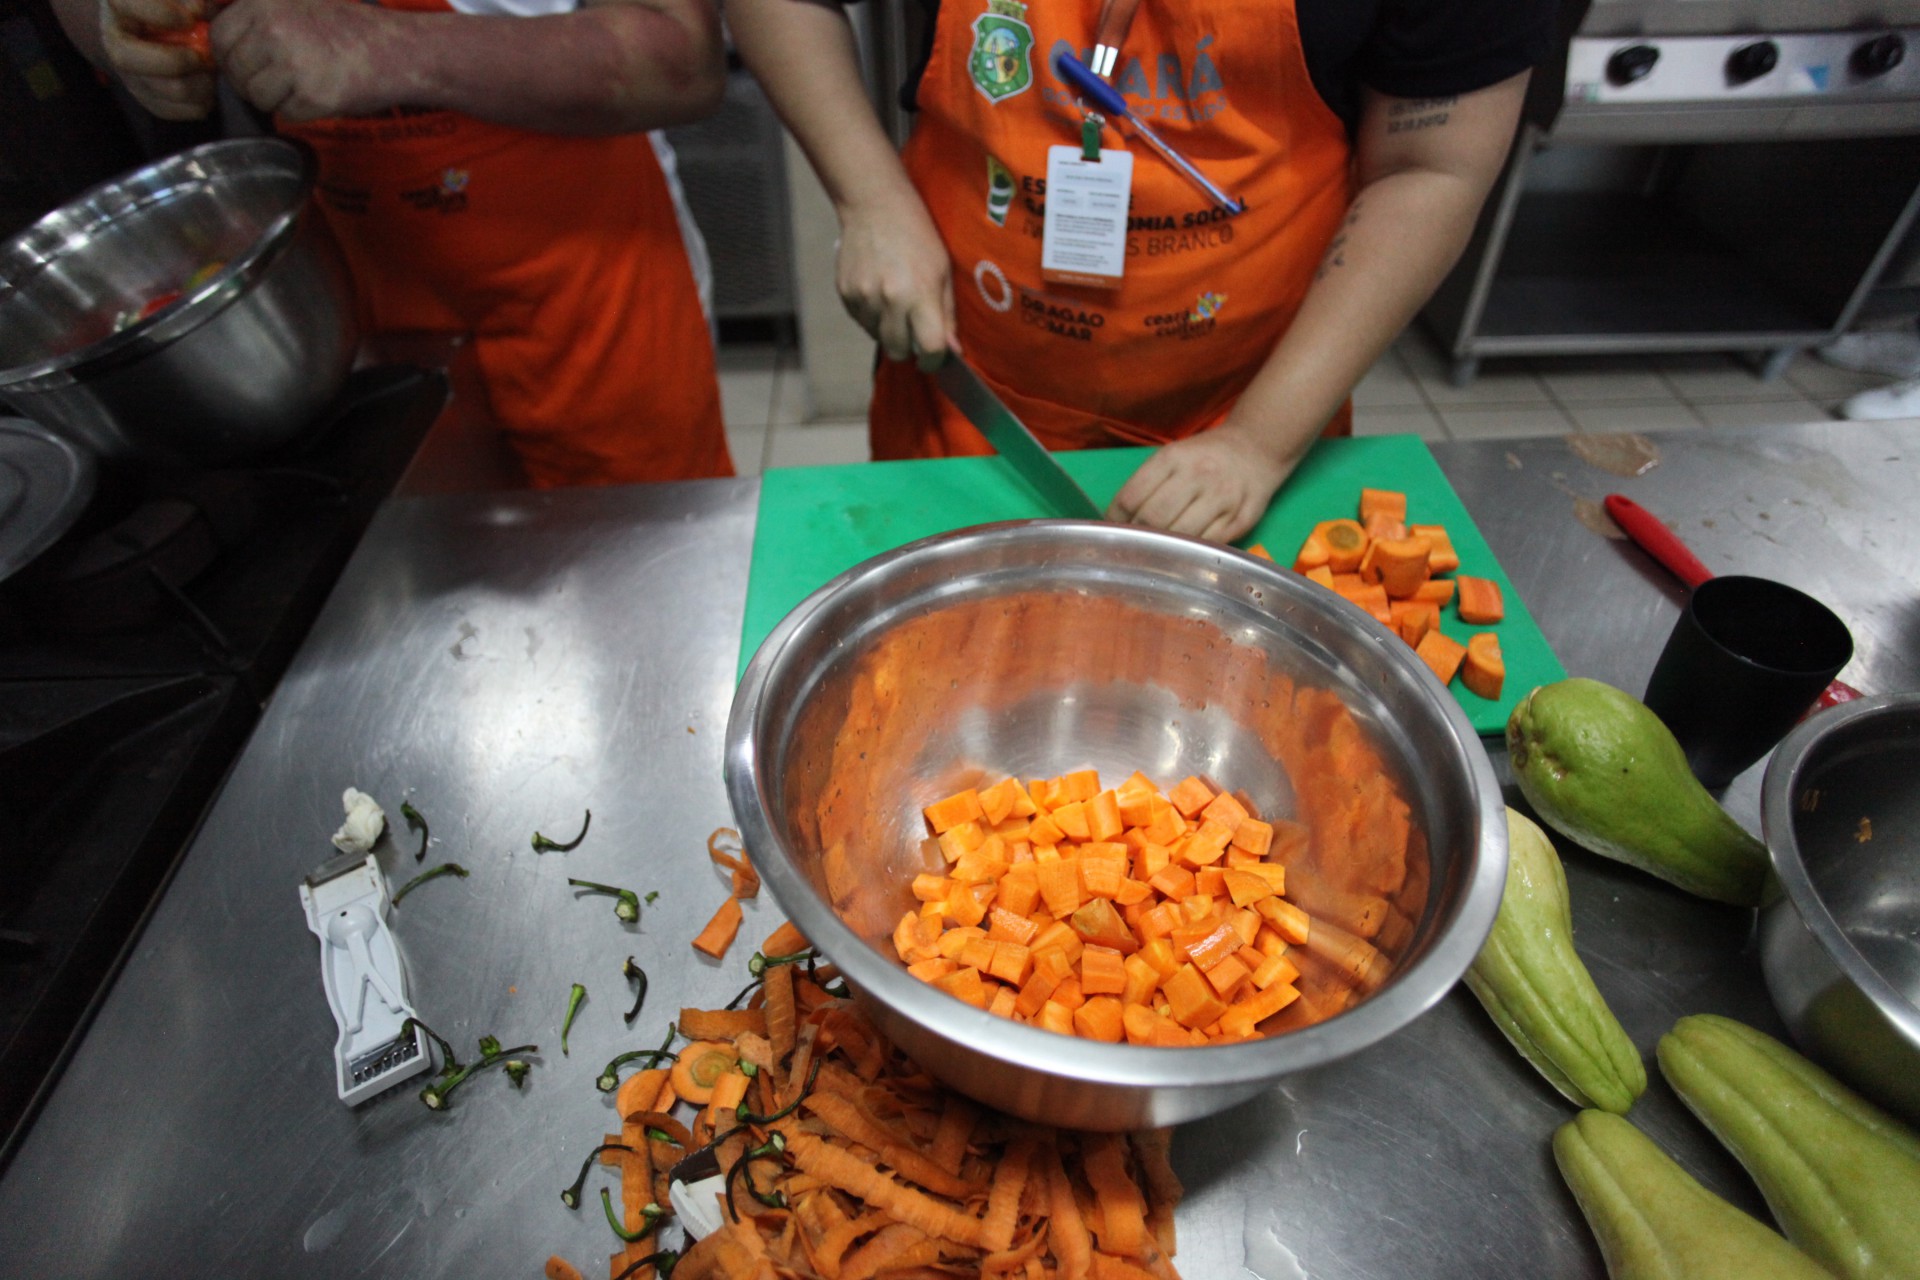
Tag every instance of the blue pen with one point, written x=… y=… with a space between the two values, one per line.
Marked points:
x=1109 y=100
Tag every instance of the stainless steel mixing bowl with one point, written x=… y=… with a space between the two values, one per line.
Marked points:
x=1035 y=647
x=1840 y=807
x=241 y=363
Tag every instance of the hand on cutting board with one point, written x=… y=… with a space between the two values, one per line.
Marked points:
x=1215 y=485
x=304 y=59
x=896 y=280
x=149 y=45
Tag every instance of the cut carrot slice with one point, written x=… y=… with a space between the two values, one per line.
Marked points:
x=1346 y=544
x=719 y=933
x=1388 y=501
x=1442 y=653
x=1445 y=558
x=1480 y=601
x=1484 y=671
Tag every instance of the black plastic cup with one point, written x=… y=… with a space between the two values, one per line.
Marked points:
x=1745 y=661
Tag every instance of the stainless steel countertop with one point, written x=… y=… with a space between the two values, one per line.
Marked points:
x=507 y=661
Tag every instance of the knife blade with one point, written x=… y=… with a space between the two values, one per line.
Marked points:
x=1011 y=439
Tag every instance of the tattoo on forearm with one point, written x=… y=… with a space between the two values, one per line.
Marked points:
x=1414 y=114
x=1335 y=256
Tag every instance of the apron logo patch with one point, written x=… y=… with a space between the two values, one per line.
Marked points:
x=998 y=294
x=1063 y=320
x=999 y=191
x=449 y=196
x=1001 y=61
x=1189 y=324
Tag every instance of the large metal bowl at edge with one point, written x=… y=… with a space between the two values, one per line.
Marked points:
x=1154 y=657
x=1840 y=807
x=243 y=363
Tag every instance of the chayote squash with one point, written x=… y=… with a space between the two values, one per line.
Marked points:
x=1540 y=994
x=1841 y=1176
x=1654 y=1221
x=1602 y=770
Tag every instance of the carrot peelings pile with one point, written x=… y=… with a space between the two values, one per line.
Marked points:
x=845 y=1161
x=1123 y=914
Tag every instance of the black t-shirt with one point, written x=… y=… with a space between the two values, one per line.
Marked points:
x=1404 y=48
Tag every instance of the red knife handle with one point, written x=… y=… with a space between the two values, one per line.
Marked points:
x=1656 y=539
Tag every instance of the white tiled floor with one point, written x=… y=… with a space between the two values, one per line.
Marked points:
x=1408 y=390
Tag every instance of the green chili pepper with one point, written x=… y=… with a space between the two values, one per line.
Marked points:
x=415 y=823
x=748 y=1117
x=543 y=845
x=773 y=1148
x=758 y=964
x=610 y=1077
x=570 y=1197
x=634 y=973
x=626 y=903
x=440 y=1092
x=665 y=1260
x=449 y=1060
x=574 y=997
x=652 y=1213
x=444 y=869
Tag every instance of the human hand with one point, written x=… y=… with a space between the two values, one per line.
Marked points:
x=896 y=281
x=1215 y=485
x=152 y=47
x=305 y=59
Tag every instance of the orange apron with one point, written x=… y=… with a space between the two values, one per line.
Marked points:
x=1204 y=298
x=563 y=259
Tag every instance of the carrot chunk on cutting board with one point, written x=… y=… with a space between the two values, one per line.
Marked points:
x=1480 y=601
x=1484 y=671
x=1442 y=653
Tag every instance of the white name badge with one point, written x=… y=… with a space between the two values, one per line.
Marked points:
x=1083 y=240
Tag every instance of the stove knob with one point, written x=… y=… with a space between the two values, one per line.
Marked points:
x=1635 y=62
x=1879 y=55
x=1751 y=61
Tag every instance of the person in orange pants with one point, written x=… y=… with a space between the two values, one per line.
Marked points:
x=486 y=166
x=1362 y=135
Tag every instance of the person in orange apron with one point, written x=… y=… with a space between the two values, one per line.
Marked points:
x=1232 y=339
x=486 y=168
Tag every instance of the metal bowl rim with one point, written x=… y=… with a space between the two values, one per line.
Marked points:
x=190 y=311
x=1783 y=849
x=1410 y=993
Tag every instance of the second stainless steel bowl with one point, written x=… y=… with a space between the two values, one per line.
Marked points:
x=241 y=363
x=1036 y=647
x=1841 y=948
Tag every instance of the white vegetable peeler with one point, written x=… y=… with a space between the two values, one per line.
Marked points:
x=365 y=979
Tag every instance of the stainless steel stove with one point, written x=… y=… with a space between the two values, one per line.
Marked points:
x=135 y=655
x=1710 y=175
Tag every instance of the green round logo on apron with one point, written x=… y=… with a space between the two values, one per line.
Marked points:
x=1000 y=63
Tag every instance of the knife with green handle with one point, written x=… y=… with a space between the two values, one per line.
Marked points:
x=1011 y=439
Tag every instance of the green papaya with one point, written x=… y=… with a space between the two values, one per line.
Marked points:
x=1600 y=768
x=1540 y=995
x=1841 y=1176
x=1654 y=1221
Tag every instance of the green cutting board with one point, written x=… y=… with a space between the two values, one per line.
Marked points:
x=816 y=522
